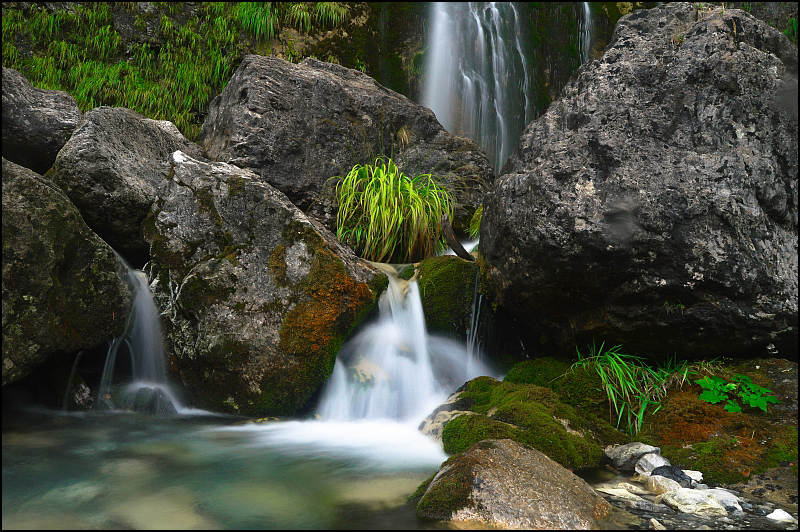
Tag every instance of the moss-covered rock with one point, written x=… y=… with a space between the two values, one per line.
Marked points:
x=532 y=415
x=259 y=297
x=447 y=289
x=63 y=287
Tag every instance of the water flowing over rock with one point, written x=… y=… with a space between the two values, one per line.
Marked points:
x=63 y=287
x=500 y=483
x=655 y=204
x=112 y=167
x=257 y=297
x=299 y=125
x=36 y=122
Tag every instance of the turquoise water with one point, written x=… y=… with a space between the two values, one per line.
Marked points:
x=121 y=470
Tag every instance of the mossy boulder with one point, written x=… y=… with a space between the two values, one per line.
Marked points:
x=532 y=415
x=447 y=289
x=258 y=297
x=493 y=482
x=64 y=289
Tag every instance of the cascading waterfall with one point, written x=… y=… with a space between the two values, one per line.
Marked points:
x=149 y=390
x=477 y=79
x=585 y=41
x=393 y=369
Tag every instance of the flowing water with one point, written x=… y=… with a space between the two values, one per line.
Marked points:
x=585 y=41
x=352 y=467
x=477 y=80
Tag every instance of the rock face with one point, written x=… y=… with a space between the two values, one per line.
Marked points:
x=36 y=122
x=500 y=483
x=258 y=298
x=298 y=125
x=655 y=204
x=112 y=167
x=63 y=287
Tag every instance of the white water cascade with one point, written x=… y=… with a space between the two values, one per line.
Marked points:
x=393 y=369
x=585 y=42
x=149 y=390
x=477 y=79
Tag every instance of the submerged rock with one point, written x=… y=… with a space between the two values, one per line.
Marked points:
x=63 y=287
x=112 y=168
x=36 y=122
x=501 y=483
x=257 y=297
x=655 y=204
x=297 y=126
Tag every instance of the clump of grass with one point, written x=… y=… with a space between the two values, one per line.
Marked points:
x=633 y=386
x=475 y=223
x=258 y=18
x=384 y=215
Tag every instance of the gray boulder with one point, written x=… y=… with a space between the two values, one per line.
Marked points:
x=624 y=457
x=112 y=167
x=503 y=484
x=64 y=289
x=655 y=204
x=257 y=297
x=298 y=125
x=36 y=122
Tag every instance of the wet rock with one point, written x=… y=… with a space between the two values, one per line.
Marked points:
x=726 y=499
x=655 y=204
x=673 y=473
x=257 y=297
x=112 y=167
x=693 y=502
x=434 y=423
x=500 y=483
x=658 y=484
x=782 y=516
x=297 y=126
x=36 y=122
x=648 y=462
x=625 y=457
x=55 y=271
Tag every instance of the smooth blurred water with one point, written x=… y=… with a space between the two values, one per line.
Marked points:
x=116 y=470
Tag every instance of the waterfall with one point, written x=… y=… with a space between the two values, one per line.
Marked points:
x=393 y=369
x=585 y=35
x=149 y=390
x=477 y=79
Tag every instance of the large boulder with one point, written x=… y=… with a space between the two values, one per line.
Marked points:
x=112 y=167
x=503 y=484
x=299 y=125
x=655 y=204
x=257 y=297
x=64 y=289
x=36 y=122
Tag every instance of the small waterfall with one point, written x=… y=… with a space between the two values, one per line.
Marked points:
x=149 y=390
x=477 y=79
x=393 y=369
x=585 y=35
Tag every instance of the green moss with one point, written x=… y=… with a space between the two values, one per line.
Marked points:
x=451 y=492
x=446 y=286
x=235 y=186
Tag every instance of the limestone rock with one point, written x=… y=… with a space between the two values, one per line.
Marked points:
x=500 y=483
x=258 y=298
x=648 y=462
x=673 y=473
x=36 y=122
x=112 y=168
x=63 y=287
x=698 y=502
x=625 y=457
x=655 y=204
x=658 y=484
x=299 y=125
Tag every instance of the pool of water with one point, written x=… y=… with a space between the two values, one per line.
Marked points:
x=123 y=470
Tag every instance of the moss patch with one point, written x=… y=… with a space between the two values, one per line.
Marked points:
x=446 y=286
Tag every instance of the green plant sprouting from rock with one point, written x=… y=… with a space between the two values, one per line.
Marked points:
x=631 y=385
x=716 y=389
x=475 y=223
x=385 y=215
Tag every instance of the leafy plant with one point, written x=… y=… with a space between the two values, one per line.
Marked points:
x=716 y=389
x=386 y=215
x=475 y=223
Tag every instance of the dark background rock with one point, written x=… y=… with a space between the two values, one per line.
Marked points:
x=36 y=122
x=63 y=287
x=299 y=125
x=111 y=169
x=655 y=204
x=257 y=297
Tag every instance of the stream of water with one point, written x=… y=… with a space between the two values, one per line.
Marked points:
x=353 y=466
